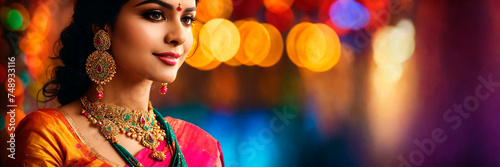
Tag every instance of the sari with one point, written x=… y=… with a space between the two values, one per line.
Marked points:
x=48 y=137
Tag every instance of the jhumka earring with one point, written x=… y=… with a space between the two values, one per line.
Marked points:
x=100 y=65
x=163 y=88
x=179 y=8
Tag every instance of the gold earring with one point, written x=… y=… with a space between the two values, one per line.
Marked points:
x=163 y=88
x=100 y=66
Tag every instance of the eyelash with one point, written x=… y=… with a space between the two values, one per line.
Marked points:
x=149 y=15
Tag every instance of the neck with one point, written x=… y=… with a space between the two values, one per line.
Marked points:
x=125 y=91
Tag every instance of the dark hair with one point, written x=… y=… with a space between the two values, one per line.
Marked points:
x=70 y=81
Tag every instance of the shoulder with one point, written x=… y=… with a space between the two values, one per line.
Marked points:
x=196 y=142
x=186 y=130
x=41 y=135
x=42 y=117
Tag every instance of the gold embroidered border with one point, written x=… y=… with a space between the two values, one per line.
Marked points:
x=84 y=141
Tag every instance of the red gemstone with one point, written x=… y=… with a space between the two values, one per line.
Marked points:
x=163 y=90
x=179 y=8
x=85 y=114
x=150 y=138
x=143 y=121
x=99 y=68
x=98 y=41
x=99 y=95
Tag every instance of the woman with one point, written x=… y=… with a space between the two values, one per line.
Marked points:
x=112 y=52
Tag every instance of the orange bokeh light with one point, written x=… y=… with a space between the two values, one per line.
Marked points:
x=276 y=46
x=278 y=6
x=291 y=40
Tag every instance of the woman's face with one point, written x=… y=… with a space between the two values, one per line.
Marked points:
x=151 y=38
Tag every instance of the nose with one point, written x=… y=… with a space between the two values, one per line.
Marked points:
x=175 y=35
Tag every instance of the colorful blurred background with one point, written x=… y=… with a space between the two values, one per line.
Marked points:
x=310 y=82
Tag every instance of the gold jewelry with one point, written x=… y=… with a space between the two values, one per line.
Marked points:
x=136 y=124
x=163 y=88
x=100 y=66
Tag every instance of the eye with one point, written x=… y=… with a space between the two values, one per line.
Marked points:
x=155 y=15
x=188 y=20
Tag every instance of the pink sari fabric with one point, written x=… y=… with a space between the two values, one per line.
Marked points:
x=198 y=147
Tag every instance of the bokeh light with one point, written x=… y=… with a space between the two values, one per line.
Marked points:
x=255 y=43
x=276 y=47
x=221 y=37
x=291 y=42
x=394 y=44
x=318 y=47
x=313 y=46
x=324 y=17
x=278 y=6
x=14 y=17
x=200 y=57
x=349 y=14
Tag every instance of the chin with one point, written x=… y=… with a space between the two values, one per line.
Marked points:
x=168 y=78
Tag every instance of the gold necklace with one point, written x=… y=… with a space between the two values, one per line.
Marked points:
x=136 y=124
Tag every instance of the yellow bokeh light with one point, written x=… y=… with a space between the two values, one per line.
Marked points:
x=276 y=46
x=318 y=47
x=255 y=43
x=278 y=6
x=195 y=30
x=291 y=40
x=221 y=37
x=200 y=58
x=208 y=10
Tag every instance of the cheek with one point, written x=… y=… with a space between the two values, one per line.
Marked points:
x=132 y=41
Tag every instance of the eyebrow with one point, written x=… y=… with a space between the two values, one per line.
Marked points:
x=164 y=4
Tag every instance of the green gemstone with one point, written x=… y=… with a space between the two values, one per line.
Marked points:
x=146 y=127
x=109 y=128
x=127 y=117
x=133 y=124
x=126 y=129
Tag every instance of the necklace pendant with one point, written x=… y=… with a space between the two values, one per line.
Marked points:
x=158 y=155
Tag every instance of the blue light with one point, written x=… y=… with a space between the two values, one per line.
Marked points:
x=349 y=14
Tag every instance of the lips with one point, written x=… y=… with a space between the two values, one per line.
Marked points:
x=169 y=58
